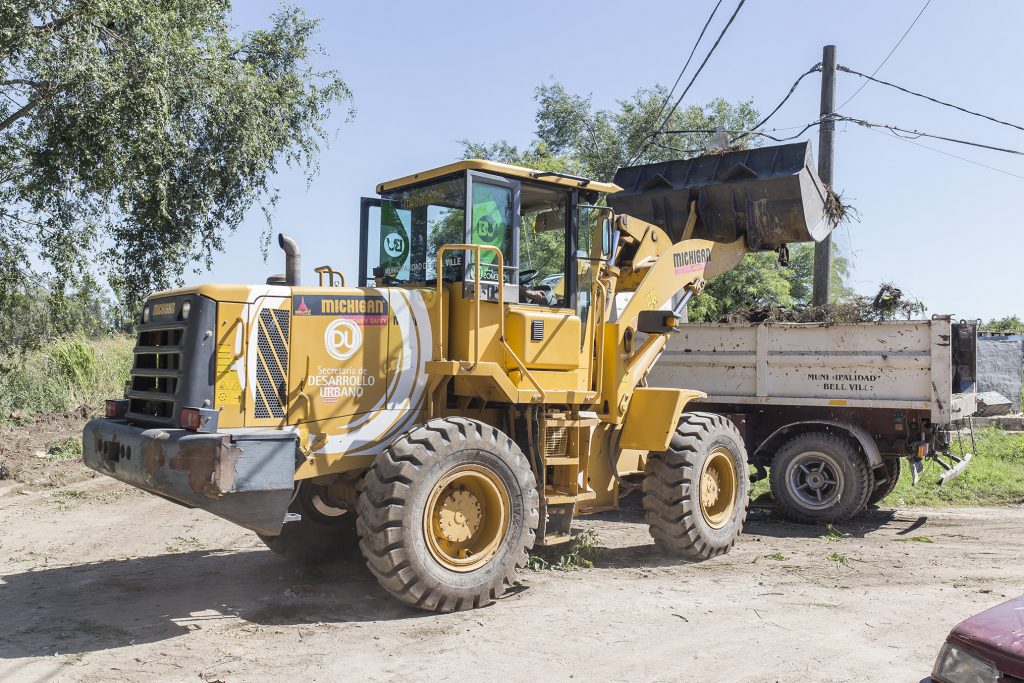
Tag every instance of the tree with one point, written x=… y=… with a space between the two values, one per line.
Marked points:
x=1011 y=324
x=572 y=136
x=135 y=135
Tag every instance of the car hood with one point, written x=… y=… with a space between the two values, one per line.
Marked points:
x=997 y=633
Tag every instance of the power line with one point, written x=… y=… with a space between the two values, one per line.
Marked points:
x=920 y=134
x=688 y=85
x=816 y=67
x=744 y=133
x=948 y=154
x=671 y=92
x=931 y=99
x=898 y=43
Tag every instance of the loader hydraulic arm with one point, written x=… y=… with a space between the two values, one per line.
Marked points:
x=655 y=270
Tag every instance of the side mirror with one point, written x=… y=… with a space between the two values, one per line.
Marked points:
x=608 y=239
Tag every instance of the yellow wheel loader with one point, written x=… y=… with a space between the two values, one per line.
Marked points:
x=481 y=383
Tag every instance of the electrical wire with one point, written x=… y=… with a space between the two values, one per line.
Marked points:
x=929 y=98
x=756 y=126
x=744 y=133
x=914 y=134
x=948 y=154
x=689 y=85
x=898 y=43
x=675 y=85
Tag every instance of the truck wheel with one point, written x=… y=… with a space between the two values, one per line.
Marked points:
x=323 y=533
x=893 y=468
x=818 y=477
x=695 y=494
x=447 y=514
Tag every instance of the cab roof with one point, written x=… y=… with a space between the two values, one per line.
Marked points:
x=497 y=168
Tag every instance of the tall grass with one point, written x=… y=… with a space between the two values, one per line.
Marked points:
x=994 y=477
x=64 y=375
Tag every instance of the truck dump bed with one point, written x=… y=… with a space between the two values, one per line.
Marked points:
x=919 y=365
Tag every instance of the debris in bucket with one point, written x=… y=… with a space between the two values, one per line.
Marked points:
x=888 y=304
x=838 y=211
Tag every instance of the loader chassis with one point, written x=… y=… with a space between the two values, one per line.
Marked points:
x=481 y=385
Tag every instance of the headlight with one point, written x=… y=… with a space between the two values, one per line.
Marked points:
x=185 y=308
x=953 y=665
x=145 y=314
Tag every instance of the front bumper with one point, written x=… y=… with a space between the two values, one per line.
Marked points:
x=245 y=476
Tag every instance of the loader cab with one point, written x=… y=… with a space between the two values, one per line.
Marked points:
x=543 y=223
x=519 y=303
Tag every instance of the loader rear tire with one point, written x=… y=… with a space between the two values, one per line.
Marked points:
x=893 y=468
x=819 y=478
x=695 y=494
x=321 y=534
x=447 y=514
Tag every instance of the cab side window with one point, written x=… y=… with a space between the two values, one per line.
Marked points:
x=542 y=247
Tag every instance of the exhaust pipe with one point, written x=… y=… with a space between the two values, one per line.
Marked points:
x=292 y=260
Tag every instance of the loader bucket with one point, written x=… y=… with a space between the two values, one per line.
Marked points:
x=769 y=195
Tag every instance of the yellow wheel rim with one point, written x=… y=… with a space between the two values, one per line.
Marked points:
x=466 y=518
x=717 y=488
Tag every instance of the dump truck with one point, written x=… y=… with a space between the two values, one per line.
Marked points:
x=477 y=387
x=829 y=412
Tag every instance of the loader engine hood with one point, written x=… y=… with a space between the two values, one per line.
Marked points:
x=770 y=196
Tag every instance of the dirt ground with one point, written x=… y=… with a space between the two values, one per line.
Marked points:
x=100 y=582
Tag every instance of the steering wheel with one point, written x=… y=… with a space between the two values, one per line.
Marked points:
x=526 y=275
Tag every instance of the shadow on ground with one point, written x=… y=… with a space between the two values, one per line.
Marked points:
x=115 y=603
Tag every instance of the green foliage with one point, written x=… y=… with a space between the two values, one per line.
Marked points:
x=65 y=375
x=135 y=135
x=65 y=449
x=839 y=558
x=994 y=477
x=1011 y=324
x=579 y=553
x=573 y=137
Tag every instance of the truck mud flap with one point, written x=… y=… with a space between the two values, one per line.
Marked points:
x=246 y=477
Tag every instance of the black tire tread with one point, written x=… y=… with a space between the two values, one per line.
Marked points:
x=669 y=507
x=381 y=509
x=860 y=485
x=893 y=467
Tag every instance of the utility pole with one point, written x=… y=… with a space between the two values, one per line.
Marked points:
x=826 y=155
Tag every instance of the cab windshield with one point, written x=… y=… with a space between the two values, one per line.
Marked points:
x=414 y=223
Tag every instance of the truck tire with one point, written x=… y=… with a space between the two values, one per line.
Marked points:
x=447 y=514
x=893 y=468
x=695 y=494
x=819 y=477
x=321 y=534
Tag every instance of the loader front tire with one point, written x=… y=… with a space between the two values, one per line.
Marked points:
x=447 y=514
x=819 y=478
x=321 y=534
x=695 y=494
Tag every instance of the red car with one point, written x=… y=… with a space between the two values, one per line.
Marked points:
x=986 y=648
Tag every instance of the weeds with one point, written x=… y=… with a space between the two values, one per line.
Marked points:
x=579 y=553
x=64 y=375
x=833 y=534
x=839 y=558
x=916 y=539
x=777 y=556
x=65 y=449
x=183 y=544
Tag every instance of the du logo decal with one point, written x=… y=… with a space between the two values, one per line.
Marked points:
x=342 y=338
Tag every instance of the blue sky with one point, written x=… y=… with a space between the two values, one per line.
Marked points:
x=426 y=74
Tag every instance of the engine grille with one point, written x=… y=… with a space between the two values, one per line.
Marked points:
x=172 y=362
